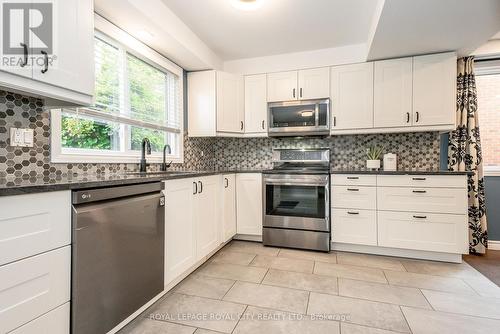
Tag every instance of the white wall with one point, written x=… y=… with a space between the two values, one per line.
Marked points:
x=292 y=61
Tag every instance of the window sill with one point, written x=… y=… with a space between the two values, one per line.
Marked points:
x=109 y=158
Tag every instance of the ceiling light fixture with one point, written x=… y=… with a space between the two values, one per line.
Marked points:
x=247 y=4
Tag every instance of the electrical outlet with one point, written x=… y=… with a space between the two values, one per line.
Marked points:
x=21 y=137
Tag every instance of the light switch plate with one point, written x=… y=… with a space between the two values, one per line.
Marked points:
x=21 y=137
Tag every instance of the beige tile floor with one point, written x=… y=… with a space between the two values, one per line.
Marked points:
x=248 y=288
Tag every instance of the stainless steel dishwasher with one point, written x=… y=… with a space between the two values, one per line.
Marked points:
x=117 y=254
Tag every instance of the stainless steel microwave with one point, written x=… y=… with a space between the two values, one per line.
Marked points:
x=299 y=118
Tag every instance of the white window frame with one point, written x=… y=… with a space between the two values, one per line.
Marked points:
x=488 y=68
x=112 y=34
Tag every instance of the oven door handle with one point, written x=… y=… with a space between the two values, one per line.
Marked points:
x=295 y=183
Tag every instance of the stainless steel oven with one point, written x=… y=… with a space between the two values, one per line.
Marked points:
x=299 y=118
x=297 y=206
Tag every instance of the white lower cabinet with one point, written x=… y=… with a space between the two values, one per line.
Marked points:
x=191 y=222
x=423 y=231
x=414 y=212
x=27 y=230
x=354 y=226
x=54 y=322
x=249 y=203
x=180 y=233
x=206 y=215
x=34 y=286
x=228 y=206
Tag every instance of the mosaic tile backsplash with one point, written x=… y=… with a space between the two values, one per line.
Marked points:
x=416 y=151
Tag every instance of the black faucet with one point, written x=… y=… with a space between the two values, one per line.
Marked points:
x=164 y=165
x=145 y=148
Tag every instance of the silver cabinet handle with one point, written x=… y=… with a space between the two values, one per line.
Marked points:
x=45 y=62
x=263 y=124
x=353 y=213
x=417 y=117
x=353 y=177
x=300 y=92
x=334 y=120
x=352 y=189
x=25 y=55
x=407 y=117
x=227 y=182
x=195 y=188
x=419 y=179
x=420 y=217
x=293 y=93
x=419 y=191
x=201 y=186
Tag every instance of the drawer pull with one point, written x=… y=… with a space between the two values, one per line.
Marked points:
x=353 y=213
x=419 y=191
x=420 y=217
x=353 y=177
x=419 y=179
x=352 y=189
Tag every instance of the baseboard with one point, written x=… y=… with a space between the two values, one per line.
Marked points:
x=408 y=253
x=248 y=237
x=494 y=244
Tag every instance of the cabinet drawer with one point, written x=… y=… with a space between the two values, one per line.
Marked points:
x=34 y=223
x=54 y=322
x=354 y=179
x=431 y=181
x=438 y=200
x=428 y=232
x=33 y=286
x=354 y=197
x=354 y=226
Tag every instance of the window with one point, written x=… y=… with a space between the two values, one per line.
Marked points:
x=135 y=98
x=488 y=101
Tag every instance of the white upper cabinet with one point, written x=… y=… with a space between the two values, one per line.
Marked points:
x=352 y=96
x=215 y=103
x=434 y=89
x=298 y=85
x=314 y=83
x=230 y=112
x=255 y=104
x=65 y=74
x=282 y=86
x=74 y=48
x=393 y=93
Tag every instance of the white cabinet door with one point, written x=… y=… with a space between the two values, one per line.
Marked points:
x=73 y=67
x=228 y=206
x=27 y=230
x=206 y=215
x=282 y=86
x=54 y=322
x=314 y=83
x=434 y=89
x=427 y=232
x=230 y=117
x=352 y=96
x=354 y=226
x=249 y=203
x=202 y=114
x=393 y=93
x=256 y=103
x=33 y=286
x=180 y=234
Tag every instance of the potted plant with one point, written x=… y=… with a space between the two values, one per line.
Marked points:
x=373 y=153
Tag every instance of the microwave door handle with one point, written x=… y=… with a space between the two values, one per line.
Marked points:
x=316 y=114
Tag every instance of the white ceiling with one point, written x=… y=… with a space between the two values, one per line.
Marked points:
x=279 y=26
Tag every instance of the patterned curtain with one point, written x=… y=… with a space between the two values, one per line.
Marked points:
x=464 y=153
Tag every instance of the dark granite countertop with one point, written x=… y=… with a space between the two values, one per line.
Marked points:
x=13 y=186
x=397 y=172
